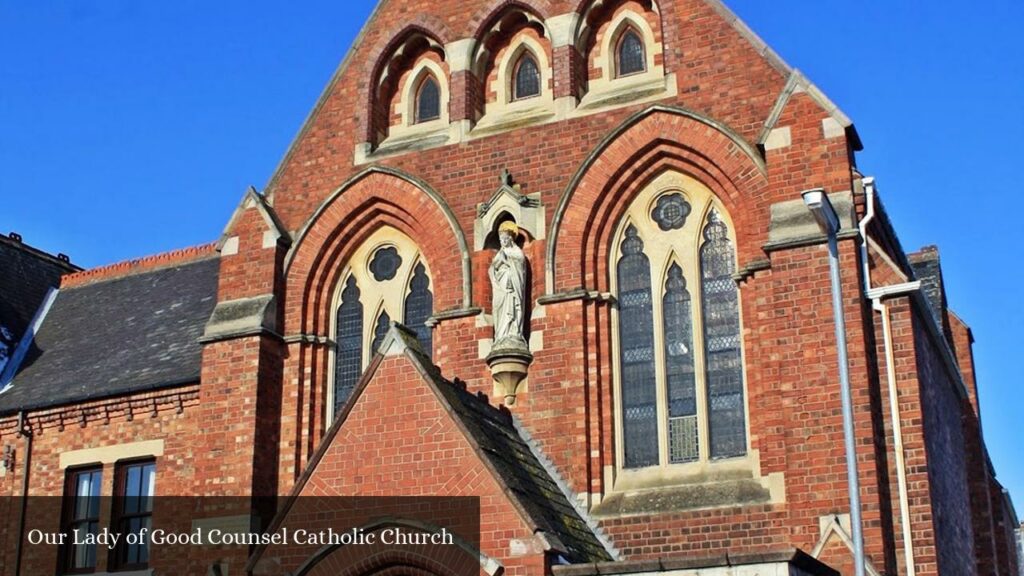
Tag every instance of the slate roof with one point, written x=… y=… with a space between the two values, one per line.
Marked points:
x=116 y=336
x=501 y=444
x=26 y=274
x=928 y=269
x=528 y=479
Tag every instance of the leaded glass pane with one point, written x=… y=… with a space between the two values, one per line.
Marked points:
x=723 y=357
x=428 y=104
x=385 y=263
x=670 y=211
x=380 y=331
x=636 y=341
x=527 y=80
x=419 y=307
x=631 y=54
x=348 y=361
x=682 y=386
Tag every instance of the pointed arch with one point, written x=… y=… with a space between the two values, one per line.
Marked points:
x=373 y=198
x=651 y=141
x=380 y=330
x=526 y=76
x=680 y=376
x=722 y=340
x=630 y=53
x=491 y=14
x=677 y=370
x=427 y=101
x=636 y=352
x=349 y=342
x=419 y=306
x=404 y=47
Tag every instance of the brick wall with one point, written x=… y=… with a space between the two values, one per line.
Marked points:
x=398 y=441
x=947 y=462
x=269 y=390
x=171 y=416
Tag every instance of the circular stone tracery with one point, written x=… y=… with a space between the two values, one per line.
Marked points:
x=385 y=263
x=670 y=212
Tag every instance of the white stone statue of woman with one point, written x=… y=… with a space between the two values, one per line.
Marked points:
x=508 y=284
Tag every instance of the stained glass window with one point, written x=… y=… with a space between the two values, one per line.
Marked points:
x=636 y=342
x=348 y=362
x=680 y=377
x=380 y=331
x=428 y=101
x=670 y=211
x=419 y=307
x=683 y=441
x=723 y=357
x=527 y=78
x=631 y=54
x=385 y=263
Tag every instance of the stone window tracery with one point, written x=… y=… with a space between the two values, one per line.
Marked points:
x=679 y=365
x=385 y=279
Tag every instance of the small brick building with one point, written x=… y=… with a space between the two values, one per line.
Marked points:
x=682 y=409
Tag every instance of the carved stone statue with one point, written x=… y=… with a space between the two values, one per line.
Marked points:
x=508 y=284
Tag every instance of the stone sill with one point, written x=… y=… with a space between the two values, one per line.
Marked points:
x=625 y=92
x=685 y=487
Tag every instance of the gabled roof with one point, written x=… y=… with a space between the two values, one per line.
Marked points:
x=796 y=82
x=251 y=198
x=118 y=335
x=530 y=483
x=26 y=275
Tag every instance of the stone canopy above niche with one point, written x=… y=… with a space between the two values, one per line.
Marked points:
x=525 y=209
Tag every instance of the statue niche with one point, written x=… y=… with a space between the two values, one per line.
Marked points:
x=508 y=284
x=510 y=355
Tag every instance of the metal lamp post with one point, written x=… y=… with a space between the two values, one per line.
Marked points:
x=825 y=214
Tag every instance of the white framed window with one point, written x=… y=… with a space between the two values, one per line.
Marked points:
x=680 y=385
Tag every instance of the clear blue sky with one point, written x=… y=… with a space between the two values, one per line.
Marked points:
x=129 y=128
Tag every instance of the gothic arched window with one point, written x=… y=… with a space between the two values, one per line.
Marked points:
x=636 y=337
x=629 y=56
x=349 y=360
x=679 y=351
x=722 y=353
x=380 y=331
x=428 y=100
x=419 y=307
x=526 y=77
x=385 y=279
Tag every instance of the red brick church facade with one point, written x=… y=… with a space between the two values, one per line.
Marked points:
x=683 y=393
